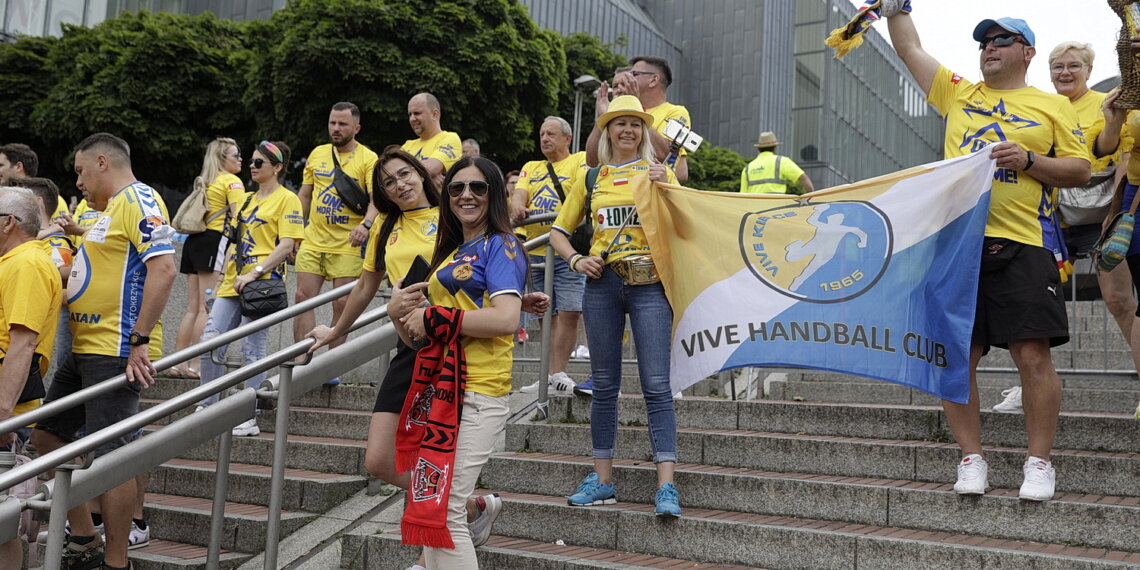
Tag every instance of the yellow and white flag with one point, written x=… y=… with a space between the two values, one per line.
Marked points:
x=877 y=278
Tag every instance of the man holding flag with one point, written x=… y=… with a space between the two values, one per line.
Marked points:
x=1037 y=144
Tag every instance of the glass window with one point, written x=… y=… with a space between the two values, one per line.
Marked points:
x=64 y=11
x=26 y=17
x=97 y=11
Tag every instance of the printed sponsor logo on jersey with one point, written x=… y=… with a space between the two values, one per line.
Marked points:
x=150 y=227
x=98 y=232
x=237 y=186
x=612 y=217
x=448 y=150
x=955 y=79
x=639 y=167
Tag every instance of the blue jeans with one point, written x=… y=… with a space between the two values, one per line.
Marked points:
x=604 y=306
x=225 y=317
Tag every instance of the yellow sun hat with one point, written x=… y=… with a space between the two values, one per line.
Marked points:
x=625 y=105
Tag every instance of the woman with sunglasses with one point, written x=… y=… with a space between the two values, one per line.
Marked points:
x=622 y=281
x=224 y=193
x=269 y=222
x=475 y=288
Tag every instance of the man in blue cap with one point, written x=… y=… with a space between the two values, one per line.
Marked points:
x=1038 y=146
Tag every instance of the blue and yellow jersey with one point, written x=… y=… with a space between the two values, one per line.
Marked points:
x=226 y=189
x=1021 y=207
x=30 y=294
x=479 y=271
x=105 y=289
x=542 y=197
x=611 y=204
x=59 y=248
x=85 y=217
x=665 y=111
x=330 y=221
x=264 y=222
x=60 y=208
x=444 y=147
x=414 y=234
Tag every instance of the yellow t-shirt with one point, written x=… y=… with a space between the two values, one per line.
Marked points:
x=330 y=221
x=30 y=294
x=665 y=111
x=264 y=222
x=105 y=289
x=542 y=196
x=479 y=271
x=611 y=203
x=761 y=177
x=60 y=208
x=444 y=147
x=414 y=234
x=226 y=189
x=1021 y=207
x=1129 y=134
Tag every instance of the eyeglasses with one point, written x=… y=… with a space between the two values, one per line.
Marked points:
x=1071 y=68
x=20 y=220
x=636 y=73
x=257 y=162
x=478 y=188
x=236 y=155
x=403 y=175
x=1001 y=40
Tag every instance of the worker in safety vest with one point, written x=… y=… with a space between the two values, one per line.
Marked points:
x=772 y=173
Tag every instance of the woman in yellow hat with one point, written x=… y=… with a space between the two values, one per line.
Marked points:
x=622 y=280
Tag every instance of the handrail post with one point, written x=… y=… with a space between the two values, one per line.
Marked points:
x=277 y=479
x=547 y=325
x=56 y=534
x=221 y=489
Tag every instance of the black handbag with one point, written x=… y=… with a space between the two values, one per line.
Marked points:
x=261 y=297
x=350 y=192
x=583 y=235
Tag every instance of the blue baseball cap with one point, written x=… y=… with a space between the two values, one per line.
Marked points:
x=1015 y=25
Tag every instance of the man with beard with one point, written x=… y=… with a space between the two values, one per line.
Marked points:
x=436 y=148
x=1038 y=146
x=334 y=234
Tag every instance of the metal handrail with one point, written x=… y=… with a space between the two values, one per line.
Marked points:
x=111 y=384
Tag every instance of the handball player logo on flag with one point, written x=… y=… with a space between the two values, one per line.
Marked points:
x=877 y=278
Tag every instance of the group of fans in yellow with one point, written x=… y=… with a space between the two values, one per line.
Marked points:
x=93 y=283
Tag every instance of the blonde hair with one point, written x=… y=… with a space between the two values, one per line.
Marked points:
x=644 y=150
x=215 y=156
x=1081 y=51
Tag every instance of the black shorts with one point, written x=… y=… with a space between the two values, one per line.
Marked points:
x=1021 y=301
x=200 y=252
x=1080 y=240
x=394 y=388
x=81 y=371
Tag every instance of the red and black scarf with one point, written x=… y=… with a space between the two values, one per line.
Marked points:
x=429 y=429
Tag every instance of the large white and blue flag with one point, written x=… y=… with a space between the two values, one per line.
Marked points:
x=877 y=278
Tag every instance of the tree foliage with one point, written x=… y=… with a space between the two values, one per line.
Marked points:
x=585 y=55
x=715 y=168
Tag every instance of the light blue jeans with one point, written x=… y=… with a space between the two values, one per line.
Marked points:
x=604 y=306
x=225 y=317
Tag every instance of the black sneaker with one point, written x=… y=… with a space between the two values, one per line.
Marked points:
x=82 y=556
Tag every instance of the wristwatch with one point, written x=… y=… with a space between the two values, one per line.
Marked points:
x=367 y=224
x=260 y=270
x=137 y=339
x=1028 y=160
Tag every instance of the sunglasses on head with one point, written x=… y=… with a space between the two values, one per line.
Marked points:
x=1001 y=40
x=478 y=188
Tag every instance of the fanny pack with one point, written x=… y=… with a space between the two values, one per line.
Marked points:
x=636 y=270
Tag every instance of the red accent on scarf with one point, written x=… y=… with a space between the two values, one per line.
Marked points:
x=429 y=428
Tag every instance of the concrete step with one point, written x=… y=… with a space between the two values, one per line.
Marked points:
x=1095 y=521
x=1082 y=472
x=321 y=422
x=1070 y=357
x=323 y=454
x=1075 y=430
x=304 y=489
x=369 y=551
x=718 y=537
x=1072 y=399
x=187 y=520
x=168 y=555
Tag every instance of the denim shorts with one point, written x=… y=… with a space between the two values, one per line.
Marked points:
x=81 y=371
x=568 y=286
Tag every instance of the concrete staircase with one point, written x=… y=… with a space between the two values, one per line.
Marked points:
x=819 y=471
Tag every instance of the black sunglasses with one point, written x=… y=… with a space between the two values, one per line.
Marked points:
x=478 y=188
x=258 y=162
x=1001 y=40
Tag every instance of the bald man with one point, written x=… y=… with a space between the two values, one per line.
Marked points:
x=436 y=148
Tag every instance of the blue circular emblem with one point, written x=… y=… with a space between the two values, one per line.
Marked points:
x=820 y=253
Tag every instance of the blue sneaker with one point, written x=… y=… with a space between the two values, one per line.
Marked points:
x=592 y=492
x=333 y=382
x=667 y=501
x=585 y=388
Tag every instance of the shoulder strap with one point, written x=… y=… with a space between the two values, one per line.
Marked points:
x=336 y=161
x=215 y=215
x=1135 y=198
x=591 y=181
x=554 y=180
x=239 y=265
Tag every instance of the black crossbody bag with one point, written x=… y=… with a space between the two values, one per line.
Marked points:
x=584 y=234
x=350 y=192
x=260 y=297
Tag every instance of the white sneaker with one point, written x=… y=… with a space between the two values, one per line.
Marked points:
x=531 y=389
x=247 y=428
x=416 y=567
x=582 y=351
x=1012 y=402
x=678 y=396
x=1040 y=480
x=138 y=537
x=561 y=383
x=973 y=472
x=489 y=508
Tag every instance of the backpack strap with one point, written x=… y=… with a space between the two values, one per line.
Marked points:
x=591 y=181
